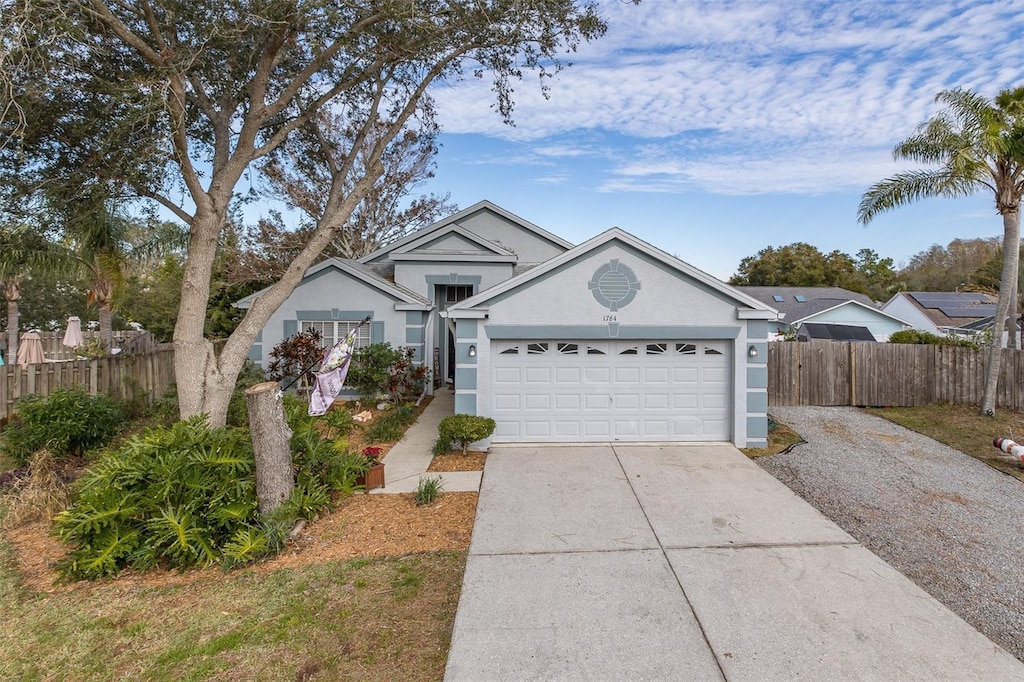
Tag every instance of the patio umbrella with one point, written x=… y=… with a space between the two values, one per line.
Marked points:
x=30 y=350
x=73 y=335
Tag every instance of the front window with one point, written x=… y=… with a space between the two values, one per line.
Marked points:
x=334 y=331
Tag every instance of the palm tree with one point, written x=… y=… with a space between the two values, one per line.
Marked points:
x=109 y=245
x=977 y=145
x=23 y=253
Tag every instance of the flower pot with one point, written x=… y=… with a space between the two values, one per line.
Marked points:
x=373 y=478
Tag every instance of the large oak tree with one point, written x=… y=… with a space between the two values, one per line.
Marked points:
x=179 y=101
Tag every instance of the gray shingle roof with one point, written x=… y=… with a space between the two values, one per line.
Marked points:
x=816 y=299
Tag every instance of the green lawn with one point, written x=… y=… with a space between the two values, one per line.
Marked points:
x=961 y=427
x=380 y=619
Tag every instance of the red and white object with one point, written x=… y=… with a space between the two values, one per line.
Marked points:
x=1011 y=448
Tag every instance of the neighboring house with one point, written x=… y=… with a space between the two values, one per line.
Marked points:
x=814 y=331
x=611 y=340
x=798 y=306
x=944 y=312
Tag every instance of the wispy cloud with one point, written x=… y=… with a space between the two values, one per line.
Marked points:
x=791 y=97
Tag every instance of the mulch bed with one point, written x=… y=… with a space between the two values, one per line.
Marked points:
x=456 y=461
x=384 y=525
x=361 y=526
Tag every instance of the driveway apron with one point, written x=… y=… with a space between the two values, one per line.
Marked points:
x=685 y=562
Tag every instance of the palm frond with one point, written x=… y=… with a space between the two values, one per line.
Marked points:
x=972 y=112
x=906 y=188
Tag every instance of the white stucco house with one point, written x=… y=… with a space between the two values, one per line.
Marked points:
x=610 y=340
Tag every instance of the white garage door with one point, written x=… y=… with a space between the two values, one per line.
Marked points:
x=570 y=391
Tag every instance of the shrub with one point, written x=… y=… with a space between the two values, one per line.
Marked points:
x=171 y=496
x=406 y=379
x=428 y=490
x=371 y=367
x=185 y=495
x=340 y=421
x=68 y=422
x=299 y=351
x=915 y=336
x=465 y=429
x=320 y=461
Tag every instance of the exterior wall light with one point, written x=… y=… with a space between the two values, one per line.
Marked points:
x=472 y=350
x=752 y=351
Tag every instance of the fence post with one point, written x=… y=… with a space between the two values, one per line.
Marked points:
x=853 y=374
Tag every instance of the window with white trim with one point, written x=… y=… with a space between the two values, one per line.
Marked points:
x=334 y=331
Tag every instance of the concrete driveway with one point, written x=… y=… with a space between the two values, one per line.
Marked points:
x=648 y=562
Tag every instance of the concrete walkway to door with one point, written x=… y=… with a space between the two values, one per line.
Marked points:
x=685 y=562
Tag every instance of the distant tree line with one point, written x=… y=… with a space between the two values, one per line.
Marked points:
x=963 y=264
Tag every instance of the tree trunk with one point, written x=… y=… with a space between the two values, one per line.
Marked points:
x=1011 y=320
x=12 y=328
x=106 y=325
x=196 y=371
x=1007 y=285
x=271 y=436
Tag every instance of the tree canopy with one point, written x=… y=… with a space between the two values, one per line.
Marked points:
x=802 y=265
x=177 y=101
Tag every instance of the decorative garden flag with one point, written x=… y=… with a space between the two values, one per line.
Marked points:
x=329 y=379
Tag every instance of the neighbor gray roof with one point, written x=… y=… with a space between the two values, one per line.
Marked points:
x=816 y=299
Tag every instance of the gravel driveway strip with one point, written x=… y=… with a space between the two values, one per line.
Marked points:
x=950 y=523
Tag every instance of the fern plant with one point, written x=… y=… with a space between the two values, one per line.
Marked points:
x=185 y=495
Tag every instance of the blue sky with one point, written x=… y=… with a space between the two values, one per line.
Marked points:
x=715 y=128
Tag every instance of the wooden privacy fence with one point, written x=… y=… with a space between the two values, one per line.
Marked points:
x=129 y=341
x=125 y=376
x=889 y=374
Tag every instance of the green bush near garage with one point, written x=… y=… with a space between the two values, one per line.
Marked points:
x=465 y=429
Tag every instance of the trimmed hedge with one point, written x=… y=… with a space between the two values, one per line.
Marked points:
x=465 y=429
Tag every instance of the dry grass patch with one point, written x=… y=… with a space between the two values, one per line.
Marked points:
x=962 y=428
x=366 y=592
x=780 y=437
x=365 y=619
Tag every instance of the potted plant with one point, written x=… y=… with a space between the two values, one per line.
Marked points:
x=374 y=476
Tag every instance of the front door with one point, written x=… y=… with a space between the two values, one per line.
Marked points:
x=449 y=295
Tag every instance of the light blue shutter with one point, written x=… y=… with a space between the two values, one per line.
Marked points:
x=291 y=328
x=377 y=331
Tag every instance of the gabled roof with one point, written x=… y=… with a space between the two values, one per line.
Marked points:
x=418 y=249
x=460 y=216
x=759 y=309
x=873 y=309
x=835 y=332
x=956 y=309
x=356 y=270
x=815 y=299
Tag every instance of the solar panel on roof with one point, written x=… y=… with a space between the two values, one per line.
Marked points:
x=939 y=299
x=968 y=311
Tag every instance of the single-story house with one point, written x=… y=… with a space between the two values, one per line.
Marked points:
x=818 y=331
x=944 y=312
x=798 y=306
x=610 y=340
